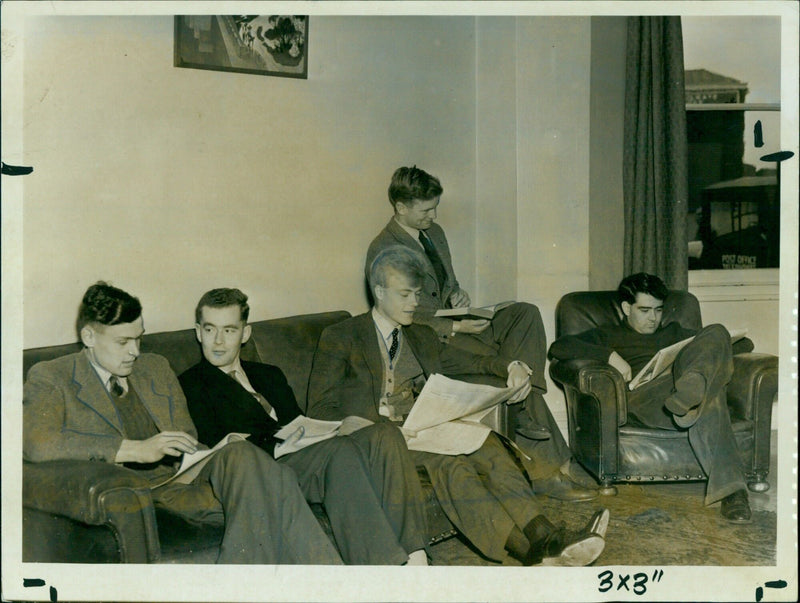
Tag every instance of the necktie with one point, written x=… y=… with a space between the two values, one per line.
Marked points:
x=261 y=399
x=433 y=256
x=116 y=387
x=394 y=344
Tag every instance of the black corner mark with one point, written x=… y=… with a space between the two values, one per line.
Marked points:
x=53 y=594
x=15 y=170
x=30 y=582
x=770 y=584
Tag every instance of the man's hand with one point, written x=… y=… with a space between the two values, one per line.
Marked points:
x=459 y=299
x=290 y=442
x=154 y=449
x=518 y=374
x=399 y=404
x=618 y=362
x=470 y=326
x=352 y=424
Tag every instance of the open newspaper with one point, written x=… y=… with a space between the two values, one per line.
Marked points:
x=473 y=313
x=446 y=417
x=664 y=358
x=191 y=464
x=313 y=431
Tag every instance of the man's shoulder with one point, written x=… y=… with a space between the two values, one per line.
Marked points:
x=63 y=365
x=261 y=368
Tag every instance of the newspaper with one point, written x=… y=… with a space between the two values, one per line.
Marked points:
x=191 y=464
x=446 y=417
x=303 y=431
x=664 y=358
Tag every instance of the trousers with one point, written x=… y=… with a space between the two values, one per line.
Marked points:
x=484 y=494
x=517 y=333
x=266 y=518
x=367 y=510
x=711 y=436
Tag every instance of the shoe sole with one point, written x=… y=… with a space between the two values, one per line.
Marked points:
x=578 y=554
x=583 y=498
x=599 y=522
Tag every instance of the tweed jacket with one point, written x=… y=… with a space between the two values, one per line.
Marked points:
x=431 y=297
x=347 y=373
x=220 y=405
x=68 y=414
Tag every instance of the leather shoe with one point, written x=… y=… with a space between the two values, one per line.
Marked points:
x=736 y=508
x=533 y=432
x=557 y=546
x=561 y=487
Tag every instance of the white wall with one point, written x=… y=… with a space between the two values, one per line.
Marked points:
x=169 y=181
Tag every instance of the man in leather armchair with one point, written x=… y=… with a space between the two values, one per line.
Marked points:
x=690 y=396
x=110 y=404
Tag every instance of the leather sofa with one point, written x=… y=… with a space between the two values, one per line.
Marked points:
x=615 y=449
x=95 y=512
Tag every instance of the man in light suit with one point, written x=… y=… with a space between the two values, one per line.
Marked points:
x=110 y=404
x=371 y=366
x=515 y=332
x=367 y=482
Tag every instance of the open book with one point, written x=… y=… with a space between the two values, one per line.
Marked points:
x=666 y=356
x=446 y=417
x=313 y=431
x=191 y=464
x=474 y=313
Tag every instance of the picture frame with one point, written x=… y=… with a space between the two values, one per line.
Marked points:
x=259 y=44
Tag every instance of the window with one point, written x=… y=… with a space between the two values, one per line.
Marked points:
x=732 y=69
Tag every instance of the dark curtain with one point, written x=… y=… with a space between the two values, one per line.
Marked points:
x=655 y=163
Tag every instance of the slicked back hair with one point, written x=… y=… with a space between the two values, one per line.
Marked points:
x=641 y=282
x=404 y=260
x=410 y=183
x=222 y=298
x=105 y=305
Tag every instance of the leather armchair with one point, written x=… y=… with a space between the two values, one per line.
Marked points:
x=614 y=449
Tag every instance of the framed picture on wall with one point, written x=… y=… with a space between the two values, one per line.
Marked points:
x=260 y=44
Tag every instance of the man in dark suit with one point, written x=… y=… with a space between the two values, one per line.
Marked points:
x=691 y=396
x=366 y=481
x=514 y=332
x=110 y=404
x=371 y=366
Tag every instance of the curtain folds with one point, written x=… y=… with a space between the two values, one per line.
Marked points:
x=655 y=162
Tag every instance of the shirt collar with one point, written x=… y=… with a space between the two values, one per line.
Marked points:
x=236 y=365
x=413 y=232
x=384 y=325
x=105 y=374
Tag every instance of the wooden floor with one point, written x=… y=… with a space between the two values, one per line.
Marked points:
x=660 y=524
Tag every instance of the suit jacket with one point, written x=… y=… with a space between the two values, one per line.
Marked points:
x=69 y=414
x=434 y=295
x=220 y=405
x=347 y=373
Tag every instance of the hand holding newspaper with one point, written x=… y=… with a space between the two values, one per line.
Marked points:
x=191 y=464
x=446 y=417
x=303 y=431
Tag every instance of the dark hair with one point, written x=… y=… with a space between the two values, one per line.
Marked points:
x=641 y=282
x=410 y=183
x=106 y=305
x=222 y=298
x=404 y=260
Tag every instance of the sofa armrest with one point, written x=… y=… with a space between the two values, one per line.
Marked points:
x=97 y=493
x=597 y=379
x=753 y=386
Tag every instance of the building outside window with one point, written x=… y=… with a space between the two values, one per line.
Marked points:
x=733 y=118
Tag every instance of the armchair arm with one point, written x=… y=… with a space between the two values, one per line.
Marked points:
x=97 y=493
x=753 y=386
x=597 y=379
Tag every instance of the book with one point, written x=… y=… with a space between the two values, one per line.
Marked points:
x=664 y=358
x=447 y=415
x=191 y=464
x=303 y=431
x=472 y=312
